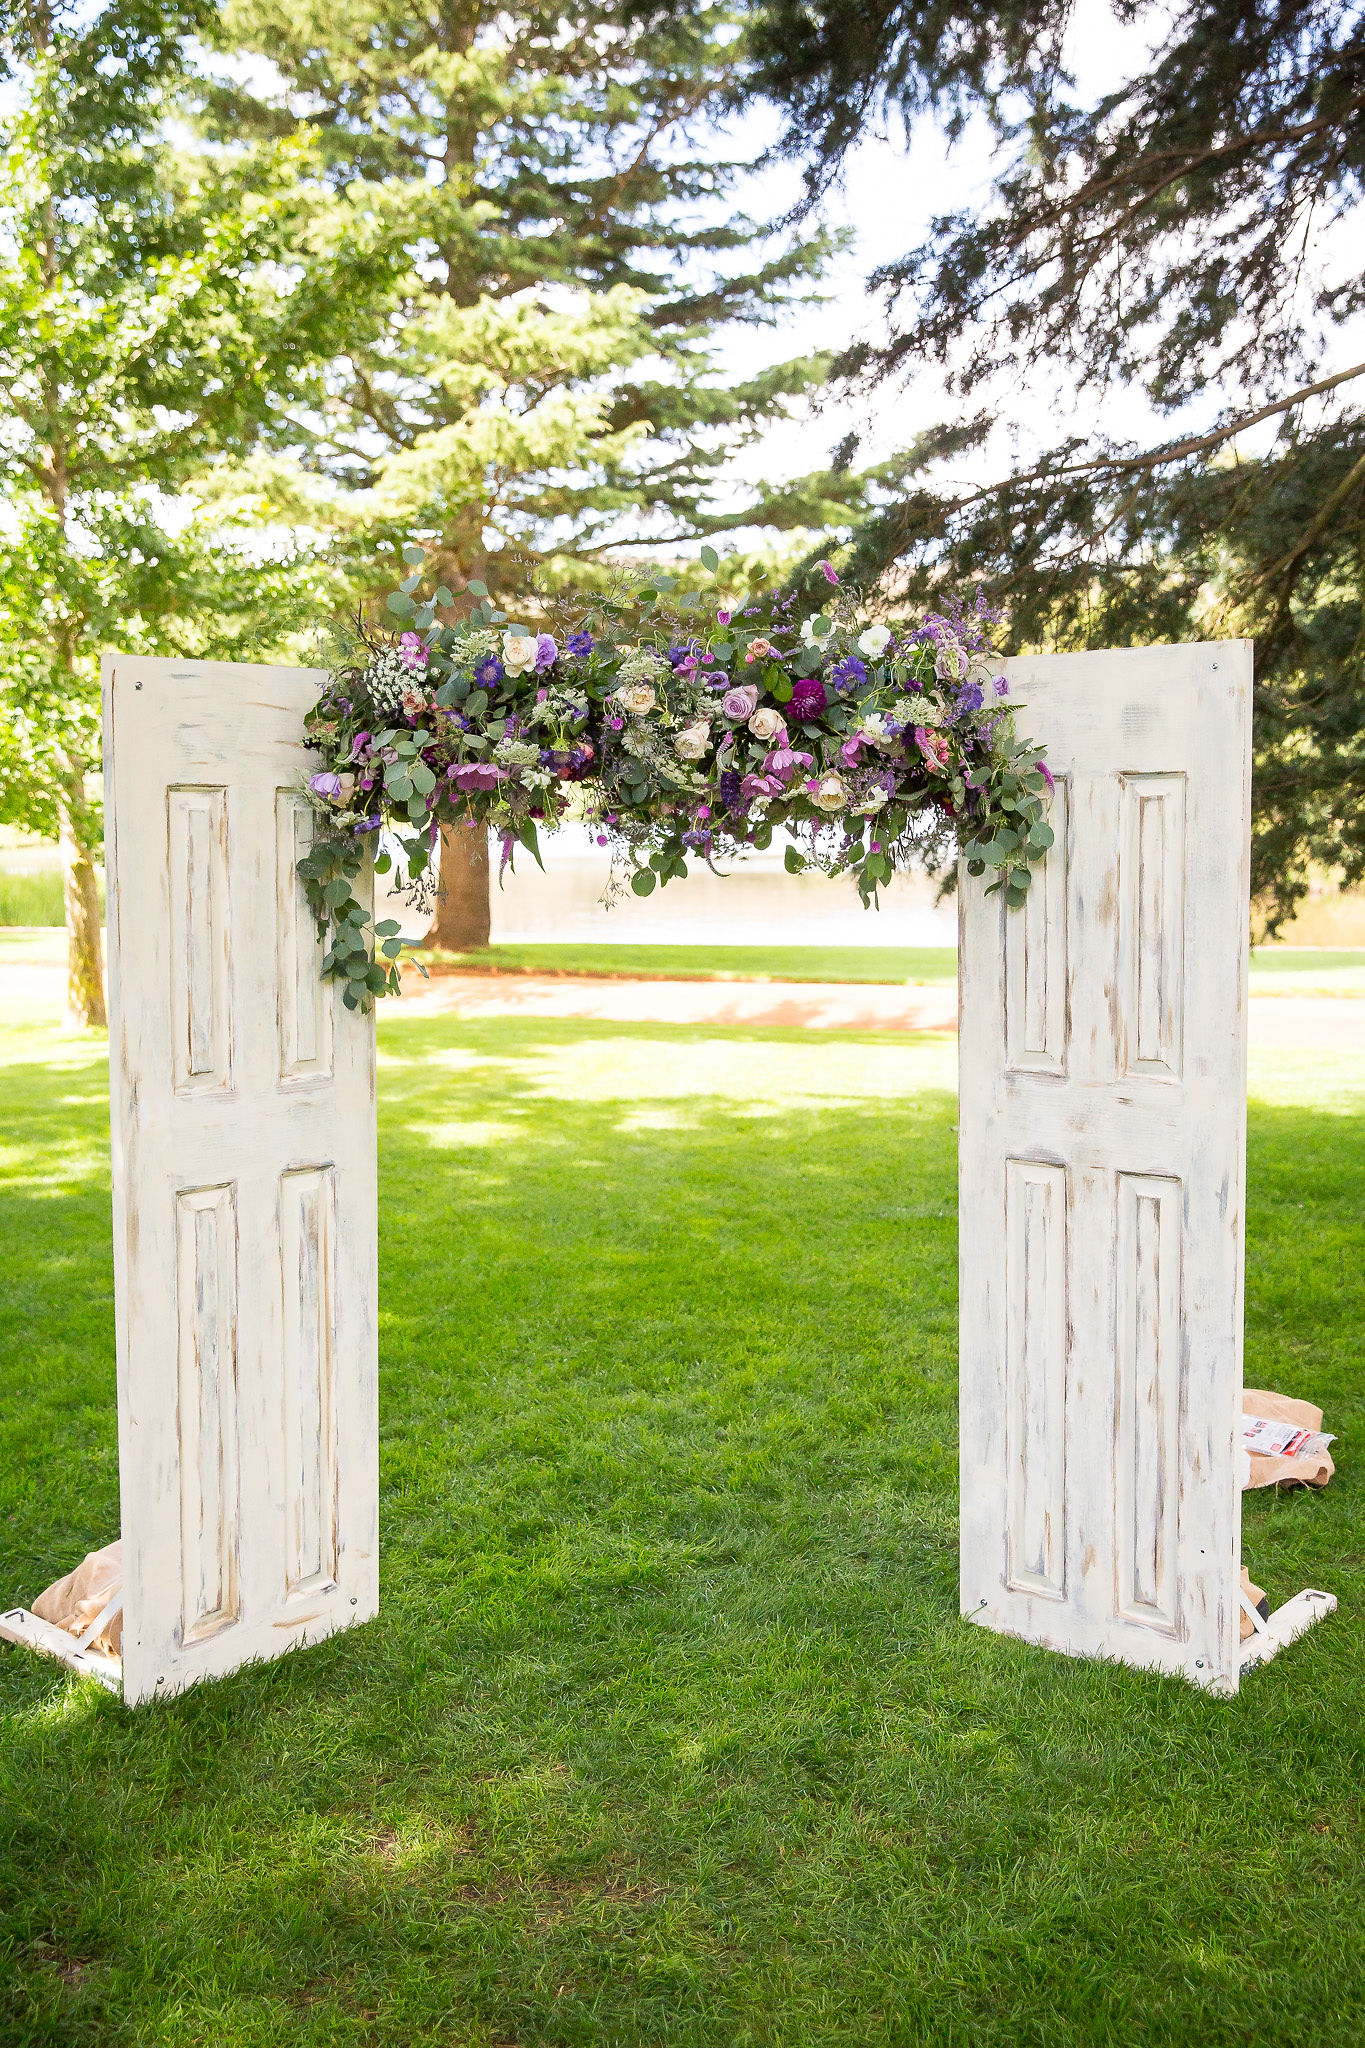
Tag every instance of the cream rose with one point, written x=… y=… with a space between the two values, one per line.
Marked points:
x=637 y=697
x=830 y=793
x=693 y=741
x=518 y=652
x=766 y=723
x=874 y=641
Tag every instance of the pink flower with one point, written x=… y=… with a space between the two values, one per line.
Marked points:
x=827 y=571
x=762 y=785
x=741 y=702
x=757 y=649
x=782 y=760
x=412 y=650
x=933 y=746
x=476 y=775
x=723 y=618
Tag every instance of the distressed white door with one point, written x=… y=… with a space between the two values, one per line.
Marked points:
x=243 y=1111
x=1103 y=1117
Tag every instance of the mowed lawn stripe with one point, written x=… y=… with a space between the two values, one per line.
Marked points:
x=668 y=1730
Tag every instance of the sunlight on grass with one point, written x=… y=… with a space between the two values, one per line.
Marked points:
x=668 y=1731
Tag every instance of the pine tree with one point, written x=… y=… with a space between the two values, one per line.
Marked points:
x=539 y=387
x=1167 y=239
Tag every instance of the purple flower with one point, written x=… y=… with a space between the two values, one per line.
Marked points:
x=970 y=698
x=723 y=617
x=326 y=784
x=731 y=791
x=360 y=746
x=741 y=702
x=1002 y=688
x=827 y=570
x=489 y=671
x=1047 y=776
x=579 y=645
x=849 y=672
x=547 y=652
x=808 y=699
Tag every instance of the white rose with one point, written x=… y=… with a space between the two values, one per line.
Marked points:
x=637 y=697
x=830 y=793
x=518 y=652
x=693 y=741
x=874 y=641
x=766 y=723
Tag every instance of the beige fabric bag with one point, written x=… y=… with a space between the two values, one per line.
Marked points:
x=1314 y=1471
x=74 y=1601
x=1256 y=1596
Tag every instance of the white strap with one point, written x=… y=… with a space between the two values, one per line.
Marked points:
x=102 y=1619
x=1257 y=1622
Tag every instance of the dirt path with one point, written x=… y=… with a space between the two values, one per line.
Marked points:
x=31 y=987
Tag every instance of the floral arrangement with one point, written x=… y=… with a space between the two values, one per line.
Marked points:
x=681 y=726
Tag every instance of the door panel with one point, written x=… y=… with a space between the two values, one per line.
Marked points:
x=243 y=1113
x=1103 y=1086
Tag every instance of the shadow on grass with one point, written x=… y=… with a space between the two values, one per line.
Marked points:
x=668 y=1730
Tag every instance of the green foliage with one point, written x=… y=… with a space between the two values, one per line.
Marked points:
x=30 y=896
x=1169 y=238
x=668 y=1732
x=146 y=324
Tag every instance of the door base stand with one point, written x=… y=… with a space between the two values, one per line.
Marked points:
x=17 y=1625
x=1284 y=1625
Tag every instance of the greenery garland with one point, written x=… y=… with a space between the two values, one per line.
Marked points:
x=681 y=724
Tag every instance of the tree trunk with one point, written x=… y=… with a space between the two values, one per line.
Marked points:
x=80 y=891
x=464 y=917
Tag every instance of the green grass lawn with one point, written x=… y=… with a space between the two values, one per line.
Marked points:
x=668 y=1731
x=1275 y=970
x=708 y=963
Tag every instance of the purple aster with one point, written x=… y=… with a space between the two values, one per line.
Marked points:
x=808 y=699
x=489 y=671
x=579 y=645
x=849 y=672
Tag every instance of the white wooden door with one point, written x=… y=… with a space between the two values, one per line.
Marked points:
x=243 y=1111
x=1103 y=1121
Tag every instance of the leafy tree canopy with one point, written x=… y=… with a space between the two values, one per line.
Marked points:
x=150 y=315
x=1178 y=237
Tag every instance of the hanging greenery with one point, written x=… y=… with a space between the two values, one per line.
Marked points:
x=681 y=724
